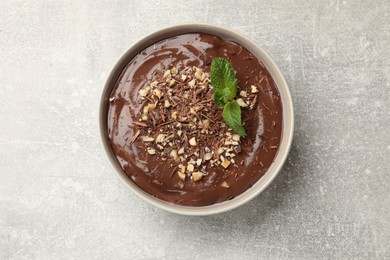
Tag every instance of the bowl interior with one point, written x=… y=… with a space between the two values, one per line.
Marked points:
x=288 y=117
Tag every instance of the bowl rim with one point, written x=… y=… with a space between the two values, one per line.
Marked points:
x=280 y=82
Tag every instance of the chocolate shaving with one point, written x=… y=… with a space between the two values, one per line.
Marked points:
x=142 y=161
x=140 y=124
x=132 y=140
x=261 y=163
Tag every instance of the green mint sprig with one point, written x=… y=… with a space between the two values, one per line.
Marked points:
x=224 y=82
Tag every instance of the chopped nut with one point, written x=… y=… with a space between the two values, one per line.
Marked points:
x=183 y=77
x=197 y=176
x=181 y=151
x=174 y=155
x=225 y=185
x=206 y=122
x=220 y=150
x=191 y=83
x=167 y=74
x=254 y=89
x=146 y=110
x=181 y=175
x=147 y=139
x=225 y=163
x=172 y=82
x=185 y=95
x=236 y=137
x=160 y=138
x=158 y=93
x=243 y=93
x=166 y=103
x=193 y=141
x=235 y=143
x=207 y=156
x=179 y=133
x=174 y=115
x=153 y=84
x=190 y=167
x=227 y=142
x=174 y=71
x=241 y=102
x=199 y=75
x=151 y=107
x=144 y=117
x=151 y=151
x=192 y=111
x=199 y=162
x=144 y=92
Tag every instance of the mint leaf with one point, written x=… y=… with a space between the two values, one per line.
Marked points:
x=221 y=97
x=223 y=80
x=232 y=115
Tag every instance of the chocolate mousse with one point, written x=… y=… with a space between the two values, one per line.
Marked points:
x=170 y=138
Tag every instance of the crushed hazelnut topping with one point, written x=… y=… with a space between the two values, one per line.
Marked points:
x=180 y=121
x=147 y=139
x=181 y=151
x=254 y=89
x=144 y=92
x=192 y=141
x=225 y=185
x=243 y=93
x=225 y=163
x=181 y=175
x=197 y=176
x=208 y=156
x=167 y=74
x=174 y=155
x=151 y=151
x=241 y=102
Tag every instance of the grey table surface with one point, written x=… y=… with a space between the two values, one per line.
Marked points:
x=59 y=198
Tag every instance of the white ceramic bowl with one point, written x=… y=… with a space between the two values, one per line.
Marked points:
x=288 y=117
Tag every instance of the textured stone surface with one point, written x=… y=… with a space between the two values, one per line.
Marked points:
x=60 y=199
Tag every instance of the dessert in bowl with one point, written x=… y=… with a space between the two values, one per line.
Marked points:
x=168 y=139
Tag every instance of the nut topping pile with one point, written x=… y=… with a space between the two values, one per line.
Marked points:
x=180 y=121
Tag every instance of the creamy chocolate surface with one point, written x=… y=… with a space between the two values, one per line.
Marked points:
x=263 y=123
